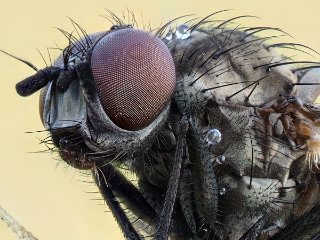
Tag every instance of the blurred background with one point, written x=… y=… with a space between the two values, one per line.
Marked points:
x=48 y=198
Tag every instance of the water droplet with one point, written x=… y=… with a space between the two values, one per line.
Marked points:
x=221 y=159
x=169 y=35
x=213 y=136
x=183 y=32
x=222 y=191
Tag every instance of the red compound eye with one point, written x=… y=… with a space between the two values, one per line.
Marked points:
x=135 y=77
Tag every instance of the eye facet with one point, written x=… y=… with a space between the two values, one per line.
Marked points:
x=135 y=77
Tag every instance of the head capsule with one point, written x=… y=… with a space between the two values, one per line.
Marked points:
x=111 y=89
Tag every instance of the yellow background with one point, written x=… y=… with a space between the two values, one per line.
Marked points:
x=49 y=200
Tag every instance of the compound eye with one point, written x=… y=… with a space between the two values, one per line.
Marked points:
x=135 y=77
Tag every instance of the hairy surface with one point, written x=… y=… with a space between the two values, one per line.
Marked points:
x=233 y=155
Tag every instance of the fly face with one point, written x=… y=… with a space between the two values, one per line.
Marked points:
x=106 y=96
x=210 y=120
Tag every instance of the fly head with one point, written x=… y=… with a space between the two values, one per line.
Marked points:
x=106 y=96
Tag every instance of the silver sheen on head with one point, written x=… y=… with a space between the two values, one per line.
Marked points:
x=220 y=131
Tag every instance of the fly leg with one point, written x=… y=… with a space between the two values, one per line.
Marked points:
x=254 y=232
x=306 y=227
x=162 y=231
x=114 y=185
